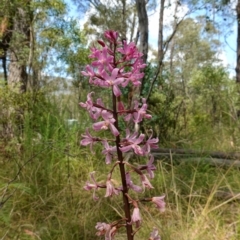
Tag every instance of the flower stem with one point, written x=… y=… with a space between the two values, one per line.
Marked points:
x=123 y=174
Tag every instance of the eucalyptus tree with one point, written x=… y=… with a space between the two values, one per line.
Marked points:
x=238 y=44
x=212 y=96
x=6 y=29
x=119 y=15
x=172 y=98
x=195 y=45
x=16 y=17
x=35 y=37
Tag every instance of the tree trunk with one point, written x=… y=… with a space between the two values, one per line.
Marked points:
x=6 y=28
x=238 y=43
x=135 y=92
x=163 y=45
x=143 y=27
x=160 y=48
x=17 y=78
x=19 y=54
x=133 y=26
x=160 y=35
x=172 y=44
x=124 y=18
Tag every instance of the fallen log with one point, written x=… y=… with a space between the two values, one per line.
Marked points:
x=211 y=161
x=220 y=159
x=227 y=195
x=190 y=153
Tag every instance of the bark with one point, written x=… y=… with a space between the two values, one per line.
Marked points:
x=124 y=20
x=133 y=26
x=33 y=77
x=215 y=162
x=160 y=34
x=227 y=195
x=135 y=92
x=17 y=78
x=195 y=153
x=160 y=55
x=143 y=27
x=163 y=45
x=6 y=35
x=219 y=159
x=173 y=40
x=4 y=65
x=238 y=43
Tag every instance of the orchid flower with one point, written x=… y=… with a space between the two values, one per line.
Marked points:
x=110 y=189
x=154 y=235
x=108 y=151
x=131 y=185
x=145 y=182
x=113 y=81
x=136 y=217
x=107 y=123
x=132 y=142
x=149 y=167
x=89 y=186
x=88 y=139
x=160 y=204
x=151 y=143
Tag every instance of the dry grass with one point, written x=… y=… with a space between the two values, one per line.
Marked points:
x=48 y=202
x=46 y=199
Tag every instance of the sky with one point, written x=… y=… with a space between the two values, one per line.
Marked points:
x=228 y=49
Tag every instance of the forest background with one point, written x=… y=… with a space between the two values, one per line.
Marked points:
x=192 y=95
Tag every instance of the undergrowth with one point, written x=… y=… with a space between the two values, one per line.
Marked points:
x=42 y=196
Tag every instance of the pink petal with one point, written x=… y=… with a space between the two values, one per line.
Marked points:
x=115 y=73
x=99 y=126
x=85 y=142
x=116 y=91
x=114 y=130
x=126 y=148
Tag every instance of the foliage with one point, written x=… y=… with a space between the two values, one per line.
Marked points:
x=60 y=43
x=115 y=15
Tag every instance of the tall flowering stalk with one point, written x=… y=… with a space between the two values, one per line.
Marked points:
x=115 y=65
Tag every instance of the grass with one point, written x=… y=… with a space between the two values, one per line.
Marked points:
x=46 y=199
